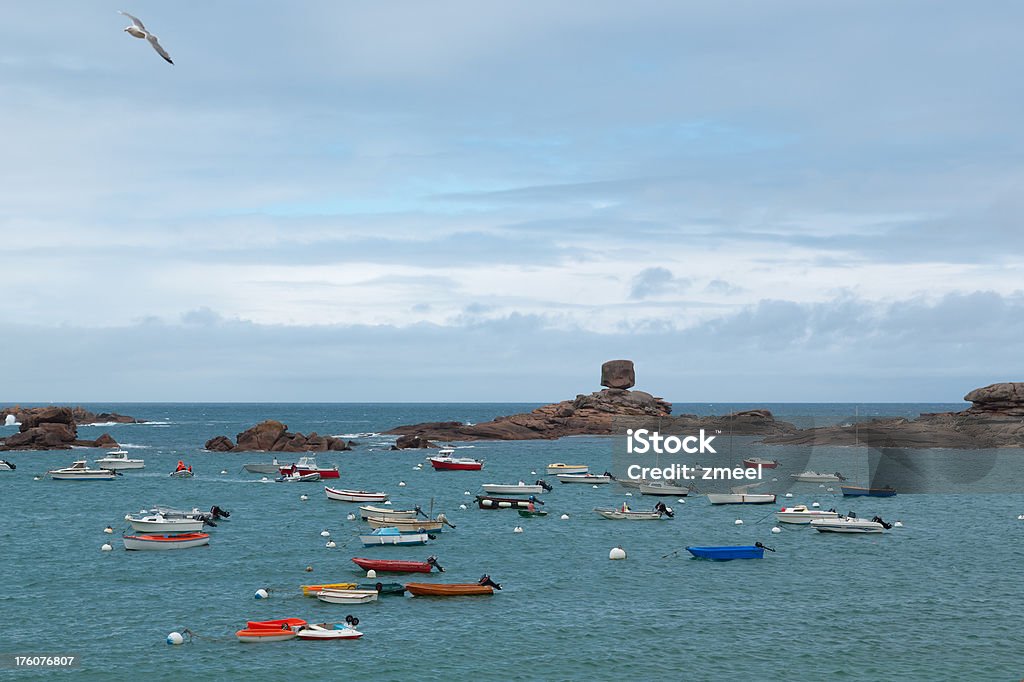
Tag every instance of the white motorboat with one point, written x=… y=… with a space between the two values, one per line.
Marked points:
x=80 y=471
x=158 y=523
x=520 y=488
x=165 y=542
x=347 y=596
x=309 y=465
x=663 y=489
x=625 y=513
x=584 y=478
x=848 y=524
x=740 y=498
x=328 y=631
x=354 y=495
x=118 y=460
x=271 y=468
x=392 y=536
x=802 y=515
x=6 y=466
x=815 y=477
x=299 y=478
x=371 y=512
x=560 y=468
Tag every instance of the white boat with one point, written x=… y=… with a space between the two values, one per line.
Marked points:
x=625 y=513
x=520 y=488
x=371 y=512
x=846 y=524
x=347 y=596
x=663 y=489
x=354 y=495
x=815 y=477
x=560 y=468
x=271 y=468
x=158 y=523
x=117 y=460
x=165 y=542
x=584 y=478
x=633 y=483
x=299 y=478
x=740 y=498
x=80 y=471
x=411 y=525
x=181 y=473
x=6 y=466
x=802 y=515
x=328 y=631
x=392 y=536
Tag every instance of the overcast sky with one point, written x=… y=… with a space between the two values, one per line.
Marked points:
x=454 y=200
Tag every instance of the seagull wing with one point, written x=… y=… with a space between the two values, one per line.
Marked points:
x=135 y=20
x=156 y=46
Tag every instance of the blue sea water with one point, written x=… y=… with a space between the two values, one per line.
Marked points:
x=936 y=599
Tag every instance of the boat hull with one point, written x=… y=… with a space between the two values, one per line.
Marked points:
x=804 y=518
x=528 y=514
x=857 y=491
x=88 y=476
x=390 y=566
x=619 y=515
x=583 y=478
x=763 y=463
x=856 y=527
x=165 y=542
x=486 y=502
x=495 y=489
x=811 y=477
x=407 y=525
x=354 y=495
x=559 y=468
x=120 y=464
x=448 y=590
x=455 y=465
x=402 y=539
x=740 y=498
x=327 y=632
x=167 y=526
x=265 y=635
x=347 y=596
x=184 y=473
x=303 y=471
x=662 y=490
x=371 y=512
x=727 y=553
x=311 y=590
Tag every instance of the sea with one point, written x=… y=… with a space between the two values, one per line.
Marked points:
x=936 y=598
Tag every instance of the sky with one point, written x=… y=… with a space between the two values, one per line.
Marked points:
x=464 y=201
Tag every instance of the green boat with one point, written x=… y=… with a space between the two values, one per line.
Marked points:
x=527 y=513
x=383 y=588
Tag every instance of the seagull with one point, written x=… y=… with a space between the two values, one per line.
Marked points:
x=137 y=30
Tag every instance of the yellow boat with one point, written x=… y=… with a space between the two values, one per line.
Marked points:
x=311 y=590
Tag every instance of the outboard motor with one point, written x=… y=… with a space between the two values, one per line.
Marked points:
x=545 y=485
x=486 y=580
x=609 y=475
x=219 y=513
x=432 y=560
x=878 y=519
x=760 y=546
x=419 y=511
x=444 y=519
x=851 y=515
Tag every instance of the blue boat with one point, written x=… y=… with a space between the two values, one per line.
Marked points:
x=728 y=553
x=859 y=491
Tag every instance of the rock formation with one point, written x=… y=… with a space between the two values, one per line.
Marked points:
x=273 y=436
x=49 y=428
x=79 y=415
x=994 y=420
x=604 y=412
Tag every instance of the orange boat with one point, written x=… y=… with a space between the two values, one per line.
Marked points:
x=275 y=624
x=485 y=586
x=279 y=630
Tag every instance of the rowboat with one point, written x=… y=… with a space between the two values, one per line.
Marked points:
x=311 y=590
x=162 y=542
x=520 y=488
x=484 y=586
x=802 y=515
x=488 y=502
x=858 y=491
x=382 y=588
x=560 y=468
x=80 y=471
x=157 y=522
x=740 y=498
x=308 y=465
x=585 y=478
x=270 y=630
x=324 y=632
x=276 y=624
x=755 y=462
x=272 y=468
x=369 y=512
x=455 y=464
x=625 y=513
x=728 y=553
x=850 y=524
x=347 y=596
x=663 y=489
x=393 y=566
x=412 y=525
x=530 y=513
x=392 y=536
x=354 y=495
x=116 y=460
x=299 y=478
x=815 y=477
x=181 y=473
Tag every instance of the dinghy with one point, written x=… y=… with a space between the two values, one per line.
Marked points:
x=728 y=553
x=755 y=462
x=625 y=513
x=272 y=468
x=484 y=586
x=520 y=488
x=347 y=596
x=354 y=495
x=530 y=513
x=181 y=473
x=663 y=489
x=740 y=498
x=158 y=523
x=802 y=515
x=165 y=542
x=393 y=566
x=594 y=479
x=850 y=524
x=299 y=478
x=392 y=536
x=311 y=590
x=560 y=468
x=370 y=512
x=858 y=491
x=270 y=630
x=815 y=477
x=412 y=525
x=324 y=632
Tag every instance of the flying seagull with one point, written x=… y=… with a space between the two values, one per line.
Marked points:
x=139 y=31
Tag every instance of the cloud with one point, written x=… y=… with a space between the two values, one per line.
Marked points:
x=652 y=282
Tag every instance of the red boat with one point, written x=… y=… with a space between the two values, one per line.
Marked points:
x=754 y=462
x=455 y=464
x=308 y=465
x=392 y=566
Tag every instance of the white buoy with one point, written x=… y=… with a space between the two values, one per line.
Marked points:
x=738 y=522
x=223 y=471
x=108 y=530
x=371 y=573
x=815 y=505
x=37 y=478
x=351 y=517
x=175 y=638
x=261 y=594
x=617 y=553
x=1020 y=517
x=898 y=524
x=594 y=487
x=303 y=497
x=788 y=495
x=387 y=501
x=629 y=494
x=325 y=533
x=776 y=529
x=105 y=547
x=533 y=473
x=401 y=484
x=774 y=480
x=564 y=517
x=331 y=544
x=264 y=480
x=821 y=485
x=462 y=506
x=467 y=493
x=681 y=501
x=517 y=529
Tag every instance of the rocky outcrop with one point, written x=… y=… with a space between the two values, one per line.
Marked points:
x=605 y=412
x=79 y=415
x=273 y=436
x=413 y=442
x=50 y=428
x=994 y=420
